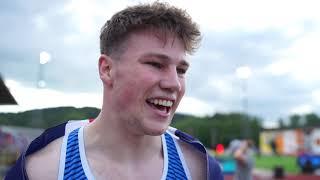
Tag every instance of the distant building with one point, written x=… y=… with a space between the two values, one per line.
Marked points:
x=290 y=141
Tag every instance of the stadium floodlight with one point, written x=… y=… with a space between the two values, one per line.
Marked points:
x=244 y=73
x=44 y=57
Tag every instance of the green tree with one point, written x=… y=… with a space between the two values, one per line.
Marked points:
x=312 y=120
x=294 y=121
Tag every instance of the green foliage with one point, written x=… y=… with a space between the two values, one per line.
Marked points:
x=46 y=118
x=300 y=121
x=295 y=121
x=312 y=120
x=221 y=128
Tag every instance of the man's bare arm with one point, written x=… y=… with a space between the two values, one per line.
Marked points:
x=195 y=160
x=44 y=164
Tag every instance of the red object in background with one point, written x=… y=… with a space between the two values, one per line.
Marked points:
x=219 y=149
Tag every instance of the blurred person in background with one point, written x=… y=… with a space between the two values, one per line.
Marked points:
x=142 y=67
x=244 y=155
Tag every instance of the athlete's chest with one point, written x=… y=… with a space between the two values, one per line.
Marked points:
x=152 y=169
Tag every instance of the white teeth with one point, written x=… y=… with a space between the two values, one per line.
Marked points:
x=169 y=103
x=162 y=102
x=156 y=101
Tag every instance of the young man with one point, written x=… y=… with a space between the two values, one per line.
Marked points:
x=142 y=67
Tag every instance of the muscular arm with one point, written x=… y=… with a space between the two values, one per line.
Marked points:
x=44 y=164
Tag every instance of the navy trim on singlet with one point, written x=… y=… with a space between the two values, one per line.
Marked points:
x=214 y=170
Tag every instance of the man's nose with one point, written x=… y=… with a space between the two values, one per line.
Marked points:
x=170 y=81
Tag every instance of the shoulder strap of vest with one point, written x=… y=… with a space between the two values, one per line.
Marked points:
x=213 y=168
x=175 y=167
x=18 y=171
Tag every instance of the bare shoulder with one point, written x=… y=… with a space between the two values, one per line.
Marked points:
x=195 y=160
x=44 y=164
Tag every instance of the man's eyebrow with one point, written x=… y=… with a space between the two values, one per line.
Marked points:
x=164 y=58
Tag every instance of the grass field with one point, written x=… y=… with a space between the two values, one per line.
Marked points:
x=289 y=163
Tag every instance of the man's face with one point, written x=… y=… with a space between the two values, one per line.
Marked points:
x=149 y=82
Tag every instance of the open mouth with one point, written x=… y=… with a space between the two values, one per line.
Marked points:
x=161 y=104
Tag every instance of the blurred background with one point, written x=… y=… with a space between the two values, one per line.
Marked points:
x=254 y=77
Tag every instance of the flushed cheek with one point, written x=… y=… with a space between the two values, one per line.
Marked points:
x=176 y=106
x=180 y=96
x=131 y=94
x=128 y=94
x=182 y=90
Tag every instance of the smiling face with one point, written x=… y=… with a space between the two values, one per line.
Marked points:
x=148 y=82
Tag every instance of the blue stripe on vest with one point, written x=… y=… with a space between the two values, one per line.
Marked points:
x=175 y=168
x=73 y=167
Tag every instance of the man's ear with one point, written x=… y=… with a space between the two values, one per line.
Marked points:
x=105 y=68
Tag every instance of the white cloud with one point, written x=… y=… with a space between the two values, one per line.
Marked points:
x=278 y=68
x=89 y=16
x=300 y=60
x=72 y=39
x=83 y=13
x=293 y=31
x=191 y=105
x=302 y=109
x=40 y=22
x=250 y=15
x=316 y=96
x=33 y=98
x=222 y=87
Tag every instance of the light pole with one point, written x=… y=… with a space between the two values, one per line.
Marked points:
x=44 y=58
x=244 y=73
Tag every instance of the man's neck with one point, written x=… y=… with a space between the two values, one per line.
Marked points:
x=108 y=137
x=131 y=156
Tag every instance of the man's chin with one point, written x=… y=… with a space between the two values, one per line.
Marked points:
x=156 y=131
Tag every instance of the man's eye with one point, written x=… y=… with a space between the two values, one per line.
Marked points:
x=155 y=64
x=181 y=71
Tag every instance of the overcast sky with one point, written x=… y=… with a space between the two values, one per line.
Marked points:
x=277 y=40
